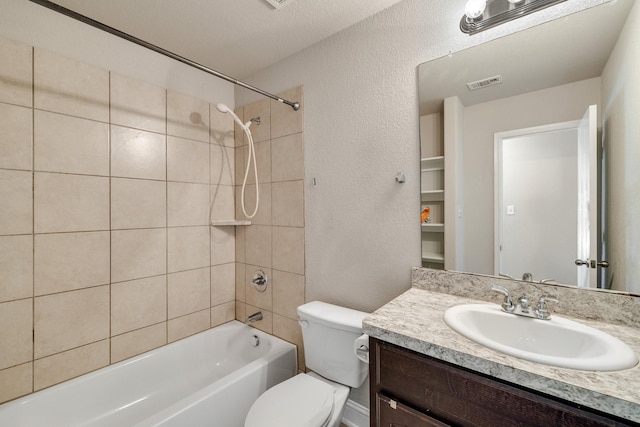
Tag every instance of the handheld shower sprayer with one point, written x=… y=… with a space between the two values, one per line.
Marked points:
x=251 y=157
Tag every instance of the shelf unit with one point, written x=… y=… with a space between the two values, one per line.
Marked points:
x=432 y=196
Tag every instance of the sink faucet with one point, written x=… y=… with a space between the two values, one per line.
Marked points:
x=541 y=310
x=253 y=318
x=523 y=304
x=527 y=277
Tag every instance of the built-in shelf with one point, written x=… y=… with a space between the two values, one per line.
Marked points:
x=432 y=195
x=433 y=227
x=433 y=257
x=432 y=164
x=230 y=222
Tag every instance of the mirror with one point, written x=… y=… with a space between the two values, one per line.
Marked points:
x=541 y=76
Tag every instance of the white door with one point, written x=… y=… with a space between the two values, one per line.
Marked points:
x=588 y=199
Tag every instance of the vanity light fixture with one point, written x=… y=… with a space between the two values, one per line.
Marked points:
x=480 y=15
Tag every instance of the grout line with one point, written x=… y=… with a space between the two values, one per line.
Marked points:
x=33 y=221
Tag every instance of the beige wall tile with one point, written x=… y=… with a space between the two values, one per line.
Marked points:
x=138 y=303
x=253 y=297
x=190 y=324
x=240 y=285
x=70 y=203
x=288 y=293
x=289 y=330
x=188 y=248
x=70 y=364
x=16 y=138
x=16 y=381
x=223 y=202
x=137 y=342
x=66 y=86
x=188 y=204
x=187 y=117
x=223 y=245
x=222 y=164
x=70 y=319
x=223 y=313
x=287 y=158
x=16 y=267
x=188 y=292
x=288 y=249
x=241 y=311
x=240 y=247
x=16 y=212
x=138 y=104
x=16 y=73
x=70 y=144
x=187 y=161
x=263 y=215
x=16 y=323
x=288 y=203
x=262 y=109
x=238 y=133
x=68 y=261
x=223 y=283
x=138 y=253
x=138 y=154
x=138 y=203
x=240 y=162
x=263 y=159
x=258 y=245
x=266 y=324
x=284 y=119
x=221 y=127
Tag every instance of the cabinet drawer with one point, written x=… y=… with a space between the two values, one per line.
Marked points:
x=393 y=414
x=462 y=398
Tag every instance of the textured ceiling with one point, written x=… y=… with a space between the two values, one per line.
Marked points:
x=235 y=37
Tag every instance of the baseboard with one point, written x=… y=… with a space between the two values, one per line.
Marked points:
x=355 y=415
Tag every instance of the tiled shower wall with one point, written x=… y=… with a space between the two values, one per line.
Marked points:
x=106 y=185
x=274 y=243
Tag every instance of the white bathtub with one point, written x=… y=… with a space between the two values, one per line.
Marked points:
x=209 y=379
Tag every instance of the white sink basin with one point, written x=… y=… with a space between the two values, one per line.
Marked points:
x=556 y=342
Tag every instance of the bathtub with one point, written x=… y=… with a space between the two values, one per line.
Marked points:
x=209 y=379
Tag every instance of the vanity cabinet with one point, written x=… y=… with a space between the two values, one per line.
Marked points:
x=409 y=389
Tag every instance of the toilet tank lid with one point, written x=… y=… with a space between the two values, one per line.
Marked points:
x=332 y=315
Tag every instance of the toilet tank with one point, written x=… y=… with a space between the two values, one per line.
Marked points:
x=328 y=333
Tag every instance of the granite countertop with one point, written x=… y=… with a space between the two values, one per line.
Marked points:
x=414 y=320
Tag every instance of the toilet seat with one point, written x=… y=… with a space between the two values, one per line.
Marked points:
x=301 y=401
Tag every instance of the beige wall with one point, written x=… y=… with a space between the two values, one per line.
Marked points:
x=621 y=134
x=274 y=243
x=481 y=122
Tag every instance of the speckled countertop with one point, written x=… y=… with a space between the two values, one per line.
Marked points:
x=414 y=320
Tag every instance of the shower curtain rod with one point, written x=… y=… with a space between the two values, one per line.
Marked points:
x=71 y=14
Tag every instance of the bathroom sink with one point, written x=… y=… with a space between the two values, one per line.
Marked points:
x=556 y=342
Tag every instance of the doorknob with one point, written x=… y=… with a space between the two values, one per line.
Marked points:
x=592 y=263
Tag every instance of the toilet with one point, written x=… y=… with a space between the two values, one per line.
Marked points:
x=318 y=398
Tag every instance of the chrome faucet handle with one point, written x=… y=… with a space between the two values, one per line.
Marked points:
x=541 y=310
x=507 y=304
x=524 y=303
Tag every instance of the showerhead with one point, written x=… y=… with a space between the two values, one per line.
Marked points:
x=224 y=109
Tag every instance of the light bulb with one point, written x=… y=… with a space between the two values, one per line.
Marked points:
x=475 y=8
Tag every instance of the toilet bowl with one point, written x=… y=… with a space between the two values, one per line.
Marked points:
x=317 y=398
x=306 y=400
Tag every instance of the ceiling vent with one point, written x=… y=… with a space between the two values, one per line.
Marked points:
x=277 y=4
x=490 y=81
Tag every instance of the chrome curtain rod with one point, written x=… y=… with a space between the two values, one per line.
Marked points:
x=71 y=14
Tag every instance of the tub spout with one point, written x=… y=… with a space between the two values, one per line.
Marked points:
x=253 y=318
